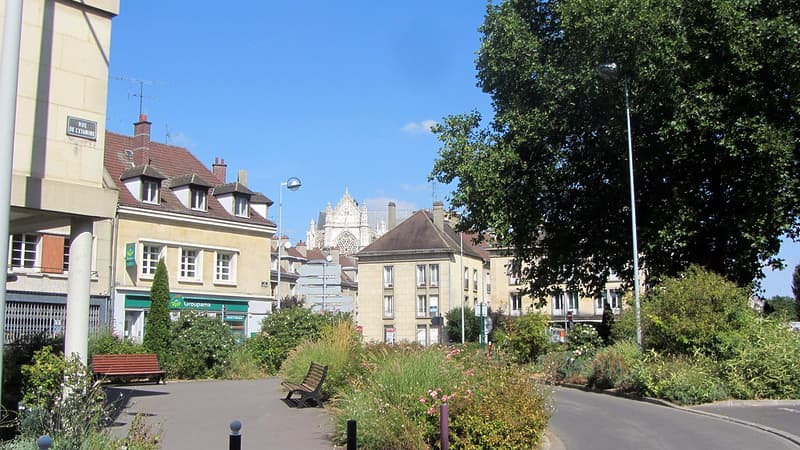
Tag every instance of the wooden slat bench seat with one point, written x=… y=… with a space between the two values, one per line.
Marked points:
x=128 y=367
x=311 y=387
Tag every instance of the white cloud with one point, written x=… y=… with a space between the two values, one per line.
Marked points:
x=419 y=127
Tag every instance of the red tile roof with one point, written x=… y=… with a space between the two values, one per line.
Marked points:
x=175 y=163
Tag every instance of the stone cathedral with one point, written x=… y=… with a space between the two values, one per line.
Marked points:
x=345 y=227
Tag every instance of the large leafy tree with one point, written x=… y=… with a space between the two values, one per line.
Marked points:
x=714 y=90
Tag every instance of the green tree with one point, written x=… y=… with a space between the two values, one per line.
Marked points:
x=156 y=330
x=607 y=323
x=714 y=100
x=453 y=325
x=796 y=289
x=780 y=306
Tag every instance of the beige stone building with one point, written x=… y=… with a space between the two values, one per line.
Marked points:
x=418 y=270
x=62 y=201
x=213 y=235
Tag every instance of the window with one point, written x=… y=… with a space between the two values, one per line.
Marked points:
x=150 y=191
x=475 y=280
x=150 y=257
x=388 y=306
x=573 y=301
x=388 y=276
x=420 y=274
x=199 y=199
x=242 y=206
x=434 y=268
x=615 y=298
x=466 y=279
x=223 y=269
x=66 y=254
x=422 y=335
x=389 y=334
x=189 y=264
x=23 y=250
x=515 y=303
x=422 y=306
x=433 y=305
x=558 y=303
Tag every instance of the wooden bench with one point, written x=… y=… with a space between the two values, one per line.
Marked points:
x=311 y=387
x=128 y=367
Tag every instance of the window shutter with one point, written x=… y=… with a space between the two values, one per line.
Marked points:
x=52 y=253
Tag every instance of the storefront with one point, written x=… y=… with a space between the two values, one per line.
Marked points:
x=233 y=311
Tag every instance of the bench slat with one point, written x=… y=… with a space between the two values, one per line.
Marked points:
x=127 y=366
x=310 y=389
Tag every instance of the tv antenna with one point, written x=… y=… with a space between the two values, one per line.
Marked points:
x=140 y=94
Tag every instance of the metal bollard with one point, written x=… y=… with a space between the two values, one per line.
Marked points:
x=44 y=442
x=235 y=442
x=351 y=434
x=445 y=425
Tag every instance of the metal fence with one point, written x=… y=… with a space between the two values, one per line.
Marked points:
x=48 y=319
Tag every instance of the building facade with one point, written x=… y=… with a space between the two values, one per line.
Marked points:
x=213 y=235
x=417 y=271
x=62 y=201
x=345 y=227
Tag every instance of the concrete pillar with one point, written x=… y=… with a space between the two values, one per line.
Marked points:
x=80 y=271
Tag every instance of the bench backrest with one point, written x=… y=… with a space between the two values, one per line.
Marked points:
x=315 y=376
x=108 y=362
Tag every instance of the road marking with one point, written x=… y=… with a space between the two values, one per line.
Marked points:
x=790 y=410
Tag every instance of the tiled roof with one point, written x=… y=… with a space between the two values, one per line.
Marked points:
x=260 y=198
x=419 y=234
x=172 y=162
x=191 y=178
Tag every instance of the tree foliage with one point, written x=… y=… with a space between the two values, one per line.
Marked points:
x=472 y=323
x=714 y=103
x=157 y=328
x=796 y=289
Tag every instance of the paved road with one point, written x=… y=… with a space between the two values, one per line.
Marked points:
x=585 y=420
x=197 y=415
x=781 y=415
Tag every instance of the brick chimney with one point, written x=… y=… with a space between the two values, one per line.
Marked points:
x=302 y=248
x=141 y=140
x=438 y=215
x=392 y=215
x=220 y=169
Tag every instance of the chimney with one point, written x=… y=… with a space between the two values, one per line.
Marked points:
x=242 y=178
x=302 y=248
x=334 y=253
x=141 y=140
x=438 y=215
x=392 y=215
x=219 y=169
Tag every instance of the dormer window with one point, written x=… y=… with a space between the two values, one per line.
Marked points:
x=199 y=199
x=150 y=190
x=242 y=205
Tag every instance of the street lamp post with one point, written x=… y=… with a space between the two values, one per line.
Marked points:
x=611 y=71
x=293 y=184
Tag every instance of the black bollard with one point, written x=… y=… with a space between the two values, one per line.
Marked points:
x=235 y=442
x=351 y=434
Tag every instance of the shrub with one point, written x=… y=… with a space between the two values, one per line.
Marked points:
x=201 y=346
x=526 y=337
x=284 y=329
x=562 y=367
x=679 y=379
x=607 y=324
x=688 y=312
x=511 y=412
x=338 y=348
x=764 y=362
x=156 y=329
x=107 y=342
x=583 y=339
x=611 y=366
x=453 y=325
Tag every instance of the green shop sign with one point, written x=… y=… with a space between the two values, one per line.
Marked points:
x=179 y=302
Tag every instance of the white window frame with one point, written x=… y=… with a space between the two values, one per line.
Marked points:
x=557 y=301
x=422 y=306
x=433 y=301
x=474 y=280
x=241 y=206
x=421 y=275
x=434 y=269
x=388 y=306
x=515 y=303
x=225 y=272
x=573 y=301
x=466 y=279
x=151 y=191
x=26 y=249
x=190 y=269
x=199 y=199
x=149 y=262
x=422 y=335
x=388 y=276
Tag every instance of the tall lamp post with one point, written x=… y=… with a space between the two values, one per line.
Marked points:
x=610 y=71
x=293 y=184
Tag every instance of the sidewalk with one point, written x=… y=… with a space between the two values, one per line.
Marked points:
x=197 y=415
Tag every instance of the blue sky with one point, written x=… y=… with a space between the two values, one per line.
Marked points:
x=338 y=94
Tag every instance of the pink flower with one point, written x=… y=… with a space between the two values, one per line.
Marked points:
x=434 y=394
x=444 y=399
x=431 y=411
x=422 y=400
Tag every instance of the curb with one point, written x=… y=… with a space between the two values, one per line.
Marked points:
x=657 y=401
